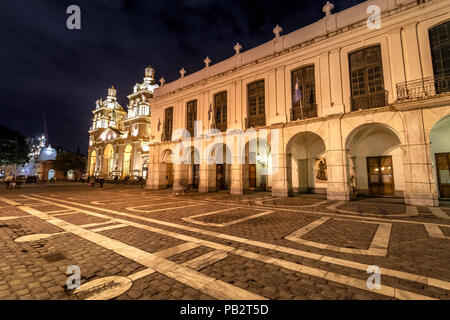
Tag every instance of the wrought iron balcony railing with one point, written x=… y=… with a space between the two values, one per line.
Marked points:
x=166 y=136
x=255 y=121
x=303 y=111
x=422 y=88
x=368 y=101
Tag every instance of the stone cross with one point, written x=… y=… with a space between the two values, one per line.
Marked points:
x=277 y=30
x=162 y=81
x=207 y=62
x=327 y=8
x=238 y=48
x=182 y=72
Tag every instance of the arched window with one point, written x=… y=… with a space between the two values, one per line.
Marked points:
x=256 y=110
x=440 y=54
x=366 y=79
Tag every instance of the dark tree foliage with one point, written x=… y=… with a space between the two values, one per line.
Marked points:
x=14 y=150
x=66 y=161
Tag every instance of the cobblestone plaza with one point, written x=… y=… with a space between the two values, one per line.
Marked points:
x=131 y=243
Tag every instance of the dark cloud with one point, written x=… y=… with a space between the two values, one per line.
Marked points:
x=45 y=65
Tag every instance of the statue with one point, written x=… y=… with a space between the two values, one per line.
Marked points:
x=322 y=170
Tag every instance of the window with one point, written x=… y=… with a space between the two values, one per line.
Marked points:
x=366 y=79
x=440 y=54
x=168 y=125
x=191 y=116
x=303 y=93
x=220 y=111
x=256 y=113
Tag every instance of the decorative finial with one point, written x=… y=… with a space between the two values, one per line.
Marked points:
x=207 y=62
x=277 y=30
x=327 y=8
x=182 y=72
x=162 y=81
x=149 y=72
x=112 y=92
x=238 y=48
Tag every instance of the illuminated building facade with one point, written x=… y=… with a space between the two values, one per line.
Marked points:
x=118 y=139
x=341 y=107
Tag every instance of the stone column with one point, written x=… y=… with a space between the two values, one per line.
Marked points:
x=417 y=167
x=337 y=164
x=237 y=186
x=207 y=177
x=157 y=176
x=279 y=164
x=180 y=178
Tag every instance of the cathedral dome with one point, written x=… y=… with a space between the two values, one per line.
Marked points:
x=48 y=154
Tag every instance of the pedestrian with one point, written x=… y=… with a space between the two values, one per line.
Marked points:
x=102 y=181
x=8 y=181
x=13 y=183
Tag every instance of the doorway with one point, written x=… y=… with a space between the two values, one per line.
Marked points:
x=252 y=176
x=220 y=177
x=380 y=175
x=169 y=174
x=195 y=176
x=443 y=174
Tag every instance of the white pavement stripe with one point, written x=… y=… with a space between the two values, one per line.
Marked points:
x=116 y=226
x=191 y=219
x=208 y=285
x=206 y=259
x=327 y=259
x=177 y=249
x=331 y=276
x=10 y=202
x=439 y=213
x=435 y=232
x=378 y=246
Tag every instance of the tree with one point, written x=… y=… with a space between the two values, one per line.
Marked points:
x=66 y=161
x=14 y=150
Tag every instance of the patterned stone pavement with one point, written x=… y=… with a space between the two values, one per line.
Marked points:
x=131 y=243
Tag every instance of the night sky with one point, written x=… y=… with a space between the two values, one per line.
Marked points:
x=45 y=65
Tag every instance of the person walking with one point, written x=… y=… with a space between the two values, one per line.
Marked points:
x=8 y=181
x=102 y=181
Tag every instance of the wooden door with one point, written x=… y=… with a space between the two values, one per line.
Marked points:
x=220 y=177
x=169 y=174
x=380 y=175
x=443 y=174
x=195 y=176
x=252 y=176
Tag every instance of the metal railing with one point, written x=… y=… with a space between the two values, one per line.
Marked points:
x=368 y=101
x=302 y=112
x=255 y=121
x=422 y=88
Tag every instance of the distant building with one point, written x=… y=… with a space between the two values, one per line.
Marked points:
x=118 y=139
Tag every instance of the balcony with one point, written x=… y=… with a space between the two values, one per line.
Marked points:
x=255 y=121
x=166 y=136
x=368 y=101
x=304 y=111
x=422 y=88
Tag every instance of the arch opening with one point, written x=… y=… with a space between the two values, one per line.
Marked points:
x=257 y=166
x=108 y=160
x=375 y=161
x=220 y=156
x=167 y=167
x=127 y=161
x=92 y=163
x=440 y=156
x=306 y=164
